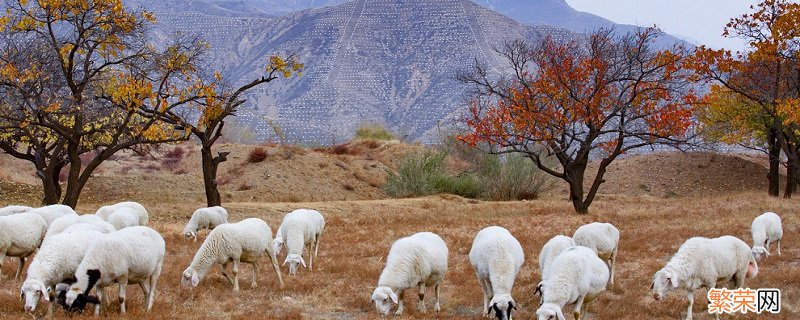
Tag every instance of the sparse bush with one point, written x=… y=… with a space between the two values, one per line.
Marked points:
x=257 y=155
x=373 y=132
x=466 y=185
x=339 y=149
x=513 y=178
x=417 y=175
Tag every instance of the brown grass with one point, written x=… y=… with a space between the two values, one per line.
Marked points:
x=358 y=235
x=257 y=155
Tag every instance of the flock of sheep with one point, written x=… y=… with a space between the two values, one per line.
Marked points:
x=76 y=253
x=574 y=270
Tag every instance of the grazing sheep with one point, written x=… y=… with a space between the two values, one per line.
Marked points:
x=105 y=211
x=132 y=255
x=61 y=224
x=603 y=239
x=52 y=212
x=766 y=229
x=56 y=261
x=20 y=235
x=576 y=276
x=497 y=257
x=419 y=260
x=245 y=241
x=301 y=228
x=552 y=249
x=704 y=262
x=123 y=217
x=205 y=218
x=9 y=210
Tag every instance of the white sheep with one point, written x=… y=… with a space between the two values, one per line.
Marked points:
x=57 y=260
x=497 y=257
x=141 y=212
x=419 y=260
x=52 y=212
x=245 y=241
x=552 y=249
x=132 y=255
x=20 y=235
x=603 y=239
x=205 y=218
x=301 y=228
x=576 y=276
x=703 y=262
x=61 y=224
x=124 y=217
x=766 y=229
x=9 y=210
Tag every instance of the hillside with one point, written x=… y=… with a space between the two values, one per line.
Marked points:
x=357 y=172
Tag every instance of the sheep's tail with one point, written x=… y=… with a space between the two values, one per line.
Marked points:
x=752 y=268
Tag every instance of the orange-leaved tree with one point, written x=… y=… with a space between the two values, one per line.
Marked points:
x=595 y=97
x=81 y=82
x=766 y=76
x=205 y=118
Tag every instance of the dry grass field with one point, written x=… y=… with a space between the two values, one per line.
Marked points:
x=359 y=233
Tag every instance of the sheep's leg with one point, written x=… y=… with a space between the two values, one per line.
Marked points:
x=436 y=291
x=690 y=296
x=310 y=255
x=123 y=286
x=151 y=292
x=400 y=308
x=316 y=243
x=486 y=295
x=51 y=305
x=421 y=306
x=19 y=268
x=254 y=282
x=235 y=272
x=779 y=246
x=578 y=307
x=274 y=260
x=100 y=299
x=2 y=258
x=224 y=269
x=613 y=264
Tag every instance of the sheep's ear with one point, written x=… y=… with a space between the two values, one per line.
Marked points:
x=491 y=309
x=511 y=306
x=21 y=296
x=393 y=296
x=92 y=299
x=195 y=280
x=45 y=294
x=303 y=262
x=285 y=261
x=673 y=278
x=652 y=285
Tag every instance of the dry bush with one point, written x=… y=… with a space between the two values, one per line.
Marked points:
x=339 y=149
x=257 y=155
x=244 y=187
x=348 y=186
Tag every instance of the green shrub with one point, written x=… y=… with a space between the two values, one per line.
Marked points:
x=374 y=132
x=513 y=178
x=417 y=175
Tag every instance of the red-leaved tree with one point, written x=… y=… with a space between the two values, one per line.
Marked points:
x=594 y=97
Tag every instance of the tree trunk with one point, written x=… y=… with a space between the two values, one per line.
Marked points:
x=50 y=187
x=791 y=182
x=210 y=165
x=792 y=168
x=574 y=176
x=774 y=175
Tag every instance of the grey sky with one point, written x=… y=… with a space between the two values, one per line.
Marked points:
x=699 y=21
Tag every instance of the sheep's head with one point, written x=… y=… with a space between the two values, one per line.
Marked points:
x=190 y=277
x=277 y=244
x=31 y=291
x=383 y=298
x=549 y=311
x=189 y=233
x=760 y=252
x=76 y=297
x=294 y=260
x=664 y=281
x=502 y=305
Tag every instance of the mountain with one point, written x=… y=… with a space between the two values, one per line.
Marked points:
x=389 y=62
